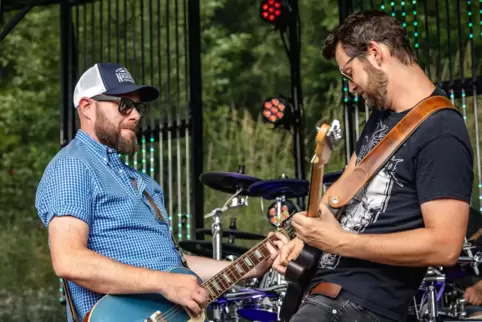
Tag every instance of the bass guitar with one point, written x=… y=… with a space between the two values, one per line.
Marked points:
x=156 y=308
x=299 y=272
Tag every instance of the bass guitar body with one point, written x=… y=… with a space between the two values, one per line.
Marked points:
x=298 y=275
x=141 y=307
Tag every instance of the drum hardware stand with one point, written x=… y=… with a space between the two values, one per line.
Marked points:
x=235 y=201
x=279 y=201
x=433 y=277
x=475 y=260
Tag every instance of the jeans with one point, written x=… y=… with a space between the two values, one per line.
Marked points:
x=322 y=308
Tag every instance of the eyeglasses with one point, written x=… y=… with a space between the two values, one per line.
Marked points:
x=126 y=105
x=349 y=77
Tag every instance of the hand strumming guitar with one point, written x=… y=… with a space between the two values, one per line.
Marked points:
x=323 y=232
x=287 y=253
x=185 y=290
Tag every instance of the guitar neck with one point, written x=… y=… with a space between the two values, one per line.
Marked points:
x=316 y=183
x=316 y=187
x=235 y=271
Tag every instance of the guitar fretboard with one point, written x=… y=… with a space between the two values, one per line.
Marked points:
x=230 y=275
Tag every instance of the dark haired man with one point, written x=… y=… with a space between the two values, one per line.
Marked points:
x=413 y=213
x=107 y=226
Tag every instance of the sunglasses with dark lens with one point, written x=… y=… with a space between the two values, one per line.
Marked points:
x=126 y=105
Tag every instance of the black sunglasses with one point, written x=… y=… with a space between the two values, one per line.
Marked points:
x=126 y=105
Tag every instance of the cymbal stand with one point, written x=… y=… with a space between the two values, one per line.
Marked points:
x=279 y=201
x=234 y=201
x=432 y=279
x=468 y=249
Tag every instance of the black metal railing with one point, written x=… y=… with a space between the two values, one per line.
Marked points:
x=158 y=42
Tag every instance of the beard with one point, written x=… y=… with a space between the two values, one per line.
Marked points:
x=376 y=89
x=110 y=135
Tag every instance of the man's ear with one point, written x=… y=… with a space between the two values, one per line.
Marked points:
x=377 y=51
x=86 y=108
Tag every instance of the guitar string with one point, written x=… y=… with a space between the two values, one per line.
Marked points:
x=178 y=309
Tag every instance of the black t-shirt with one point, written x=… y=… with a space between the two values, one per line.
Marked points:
x=435 y=162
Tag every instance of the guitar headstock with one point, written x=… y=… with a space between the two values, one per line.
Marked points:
x=327 y=137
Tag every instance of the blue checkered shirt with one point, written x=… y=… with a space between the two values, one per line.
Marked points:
x=88 y=180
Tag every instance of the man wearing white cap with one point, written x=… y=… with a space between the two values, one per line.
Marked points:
x=105 y=220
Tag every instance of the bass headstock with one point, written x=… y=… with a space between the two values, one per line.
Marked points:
x=327 y=139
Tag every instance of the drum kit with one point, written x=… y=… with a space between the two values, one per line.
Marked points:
x=439 y=297
x=257 y=299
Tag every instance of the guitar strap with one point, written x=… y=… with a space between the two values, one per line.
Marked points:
x=345 y=189
x=73 y=312
x=160 y=217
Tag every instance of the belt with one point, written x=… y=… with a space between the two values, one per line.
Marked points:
x=328 y=289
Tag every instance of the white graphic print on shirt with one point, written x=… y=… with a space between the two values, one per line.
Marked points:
x=371 y=201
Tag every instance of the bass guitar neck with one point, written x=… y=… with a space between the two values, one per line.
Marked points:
x=300 y=272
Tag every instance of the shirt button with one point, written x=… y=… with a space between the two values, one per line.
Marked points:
x=120 y=171
x=105 y=159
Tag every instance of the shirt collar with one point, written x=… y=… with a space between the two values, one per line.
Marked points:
x=102 y=151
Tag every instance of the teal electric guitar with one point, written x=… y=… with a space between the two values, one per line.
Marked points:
x=156 y=308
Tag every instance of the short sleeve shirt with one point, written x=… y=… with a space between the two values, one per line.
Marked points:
x=435 y=162
x=88 y=180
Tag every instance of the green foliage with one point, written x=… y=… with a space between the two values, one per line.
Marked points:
x=243 y=62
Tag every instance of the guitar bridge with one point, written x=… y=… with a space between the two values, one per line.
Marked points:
x=156 y=317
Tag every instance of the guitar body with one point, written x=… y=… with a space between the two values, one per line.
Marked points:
x=140 y=307
x=298 y=274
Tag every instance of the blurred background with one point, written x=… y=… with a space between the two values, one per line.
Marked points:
x=215 y=63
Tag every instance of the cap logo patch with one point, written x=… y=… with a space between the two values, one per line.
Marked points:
x=123 y=75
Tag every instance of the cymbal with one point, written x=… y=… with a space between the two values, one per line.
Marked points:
x=228 y=182
x=236 y=233
x=270 y=189
x=205 y=248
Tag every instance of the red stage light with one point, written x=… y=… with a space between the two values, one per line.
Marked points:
x=275 y=110
x=274 y=12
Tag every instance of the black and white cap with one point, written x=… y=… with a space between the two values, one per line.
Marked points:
x=110 y=79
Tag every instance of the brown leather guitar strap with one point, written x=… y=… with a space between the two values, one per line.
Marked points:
x=343 y=190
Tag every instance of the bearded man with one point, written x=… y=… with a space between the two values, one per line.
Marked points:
x=413 y=213
x=107 y=223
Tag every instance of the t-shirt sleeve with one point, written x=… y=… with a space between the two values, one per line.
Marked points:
x=444 y=169
x=65 y=190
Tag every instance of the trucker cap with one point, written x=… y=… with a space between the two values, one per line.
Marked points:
x=110 y=79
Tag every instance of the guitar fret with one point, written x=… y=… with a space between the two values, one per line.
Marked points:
x=208 y=287
x=247 y=261
x=216 y=285
x=240 y=269
x=226 y=277
x=258 y=253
